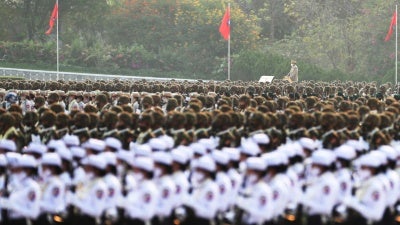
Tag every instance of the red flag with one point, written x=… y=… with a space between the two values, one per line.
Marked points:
x=392 y=24
x=53 y=18
x=225 y=27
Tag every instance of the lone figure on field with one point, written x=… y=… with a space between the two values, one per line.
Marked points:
x=294 y=72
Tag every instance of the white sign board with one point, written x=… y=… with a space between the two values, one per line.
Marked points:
x=266 y=79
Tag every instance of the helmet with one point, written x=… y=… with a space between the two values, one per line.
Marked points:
x=11 y=97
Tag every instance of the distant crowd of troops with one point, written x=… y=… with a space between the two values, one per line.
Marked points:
x=232 y=115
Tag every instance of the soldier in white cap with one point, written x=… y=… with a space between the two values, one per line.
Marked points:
x=180 y=162
x=7 y=146
x=166 y=186
x=223 y=181
x=52 y=203
x=255 y=202
x=94 y=146
x=344 y=156
x=368 y=204
x=321 y=195
x=141 y=203
x=248 y=148
x=79 y=175
x=277 y=179
x=202 y=202
x=235 y=177
x=114 y=188
x=389 y=182
x=4 y=183
x=89 y=199
x=23 y=203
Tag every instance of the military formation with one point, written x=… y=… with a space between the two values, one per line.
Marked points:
x=205 y=152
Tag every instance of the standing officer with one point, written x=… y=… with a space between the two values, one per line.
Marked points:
x=294 y=71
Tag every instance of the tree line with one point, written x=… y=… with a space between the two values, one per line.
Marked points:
x=342 y=39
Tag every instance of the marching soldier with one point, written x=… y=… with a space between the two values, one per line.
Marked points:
x=141 y=203
x=23 y=203
x=108 y=122
x=157 y=126
x=223 y=181
x=47 y=121
x=163 y=180
x=179 y=167
x=368 y=204
x=114 y=189
x=62 y=125
x=202 y=202
x=145 y=123
x=124 y=126
x=89 y=199
x=321 y=194
x=255 y=202
x=52 y=203
x=81 y=123
x=278 y=181
x=102 y=103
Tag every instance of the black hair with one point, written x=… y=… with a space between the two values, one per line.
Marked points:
x=295 y=159
x=223 y=168
x=345 y=163
x=167 y=168
x=113 y=169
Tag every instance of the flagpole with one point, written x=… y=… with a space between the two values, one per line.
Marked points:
x=229 y=46
x=396 y=50
x=58 y=54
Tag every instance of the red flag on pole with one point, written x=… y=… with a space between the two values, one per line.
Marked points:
x=392 y=24
x=53 y=18
x=225 y=27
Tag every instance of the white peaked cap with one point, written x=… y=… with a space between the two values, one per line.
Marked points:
x=205 y=163
x=144 y=163
x=179 y=156
x=261 y=138
x=94 y=144
x=345 y=152
x=323 y=157
x=256 y=163
x=220 y=157
x=162 y=158
x=113 y=143
x=8 y=145
x=52 y=159
x=71 y=140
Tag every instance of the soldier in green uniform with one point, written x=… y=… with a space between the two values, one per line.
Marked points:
x=81 y=125
x=145 y=122
x=62 y=125
x=124 y=126
x=47 y=131
x=108 y=122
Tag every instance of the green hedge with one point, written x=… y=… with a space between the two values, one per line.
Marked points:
x=136 y=60
x=8 y=78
